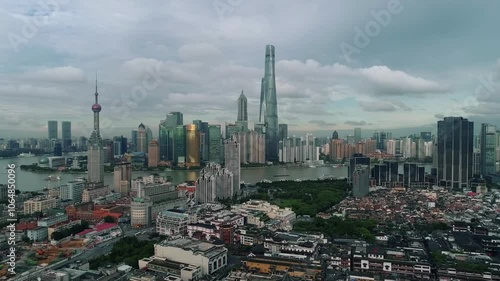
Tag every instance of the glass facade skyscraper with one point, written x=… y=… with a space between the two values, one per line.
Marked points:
x=488 y=146
x=215 y=143
x=52 y=126
x=166 y=134
x=66 y=135
x=179 y=145
x=455 y=141
x=269 y=106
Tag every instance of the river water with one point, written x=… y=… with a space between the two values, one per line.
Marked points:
x=29 y=181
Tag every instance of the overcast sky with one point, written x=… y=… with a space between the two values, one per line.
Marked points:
x=422 y=60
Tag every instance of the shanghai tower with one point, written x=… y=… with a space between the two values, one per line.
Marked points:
x=269 y=106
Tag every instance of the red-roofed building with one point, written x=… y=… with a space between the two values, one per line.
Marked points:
x=100 y=229
x=23 y=226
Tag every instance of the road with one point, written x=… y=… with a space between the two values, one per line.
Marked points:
x=87 y=254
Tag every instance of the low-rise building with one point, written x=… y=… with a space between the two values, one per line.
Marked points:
x=37 y=234
x=183 y=271
x=172 y=222
x=52 y=220
x=211 y=258
x=38 y=204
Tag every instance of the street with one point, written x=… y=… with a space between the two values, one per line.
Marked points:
x=87 y=254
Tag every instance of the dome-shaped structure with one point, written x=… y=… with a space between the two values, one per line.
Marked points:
x=141 y=126
x=96 y=107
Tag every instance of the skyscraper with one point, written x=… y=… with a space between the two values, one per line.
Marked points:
x=335 y=135
x=123 y=178
x=269 y=106
x=242 y=108
x=192 y=145
x=204 y=139
x=66 y=135
x=232 y=162
x=357 y=135
x=179 y=145
x=133 y=140
x=454 y=152
x=283 y=131
x=142 y=144
x=52 y=125
x=166 y=134
x=153 y=153
x=488 y=146
x=215 y=144
x=95 y=162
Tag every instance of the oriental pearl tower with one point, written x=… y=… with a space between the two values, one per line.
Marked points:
x=95 y=162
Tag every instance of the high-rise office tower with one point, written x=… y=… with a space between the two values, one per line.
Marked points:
x=133 y=140
x=357 y=159
x=488 y=146
x=123 y=178
x=166 y=134
x=142 y=144
x=66 y=135
x=335 y=135
x=149 y=135
x=192 y=145
x=242 y=108
x=179 y=145
x=269 y=106
x=360 y=181
x=454 y=152
x=283 y=131
x=204 y=139
x=232 y=162
x=215 y=144
x=357 y=135
x=256 y=147
x=153 y=153
x=58 y=149
x=52 y=125
x=95 y=161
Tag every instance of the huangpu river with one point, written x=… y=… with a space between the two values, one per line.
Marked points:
x=31 y=181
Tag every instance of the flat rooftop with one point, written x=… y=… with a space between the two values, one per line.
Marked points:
x=196 y=246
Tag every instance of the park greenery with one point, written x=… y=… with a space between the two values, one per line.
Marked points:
x=109 y=219
x=58 y=235
x=128 y=250
x=336 y=227
x=305 y=197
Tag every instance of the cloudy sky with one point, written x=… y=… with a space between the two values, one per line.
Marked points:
x=383 y=65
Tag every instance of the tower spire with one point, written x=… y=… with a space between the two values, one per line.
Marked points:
x=96 y=94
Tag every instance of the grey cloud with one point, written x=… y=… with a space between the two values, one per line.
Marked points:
x=376 y=106
x=439 y=116
x=321 y=123
x=63 y=74
x=357 y=123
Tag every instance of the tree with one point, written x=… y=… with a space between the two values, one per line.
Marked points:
x=109 y=219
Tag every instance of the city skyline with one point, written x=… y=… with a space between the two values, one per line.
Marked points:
x=202 y=79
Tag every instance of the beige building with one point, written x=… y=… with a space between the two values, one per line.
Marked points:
x=153 y=153
x=211 y=258
x=123 y=178
x=38 y=205
x=94 y=190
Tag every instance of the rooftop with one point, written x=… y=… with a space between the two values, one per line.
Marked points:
x=196 y=246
